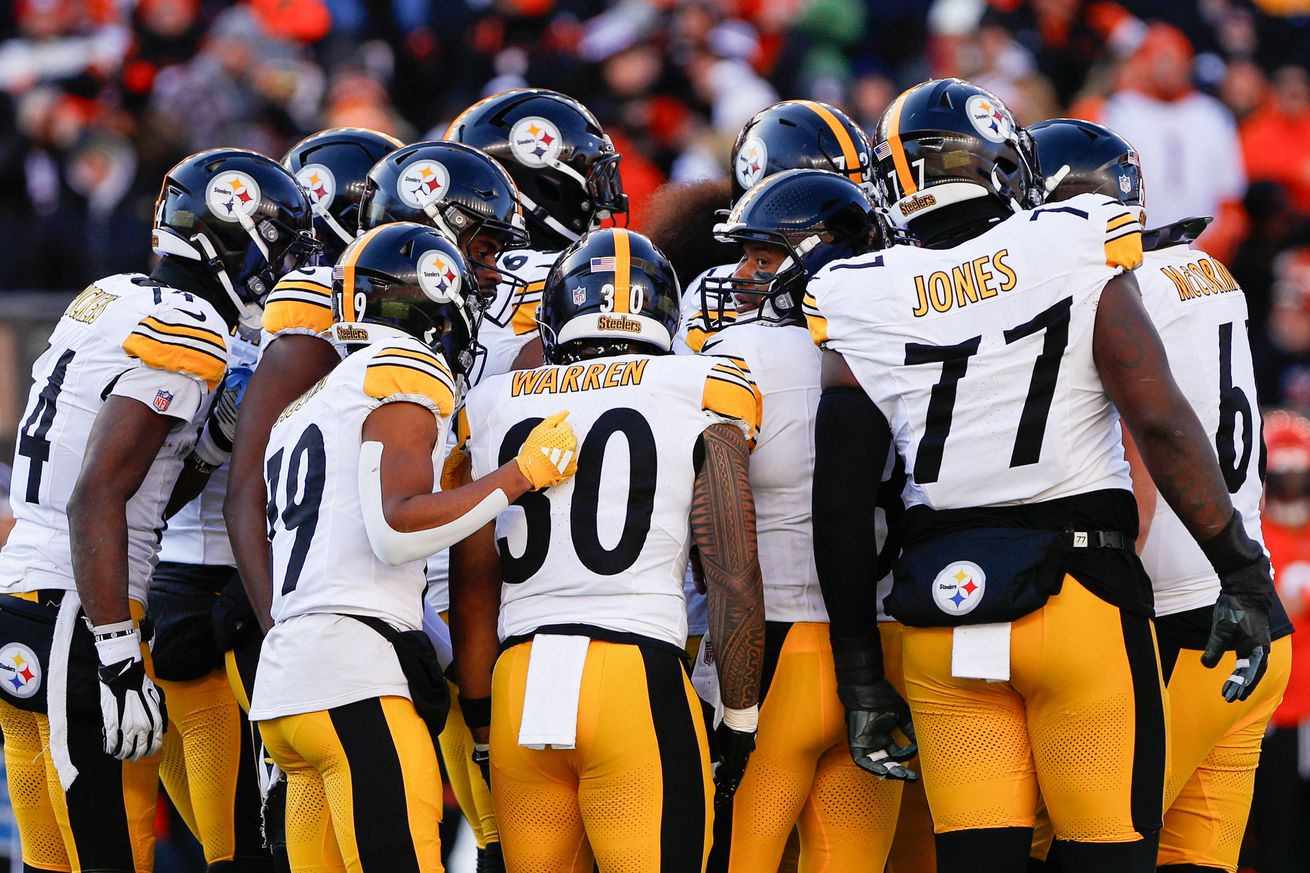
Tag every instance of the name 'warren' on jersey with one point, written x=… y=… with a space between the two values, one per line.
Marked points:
x=609 y=547
x=980 y=355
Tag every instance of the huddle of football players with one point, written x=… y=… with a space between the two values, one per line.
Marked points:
x=407 y=451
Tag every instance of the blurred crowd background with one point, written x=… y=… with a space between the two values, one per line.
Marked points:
x=99 y=97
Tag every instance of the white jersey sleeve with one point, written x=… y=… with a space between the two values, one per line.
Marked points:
x=123 y=336
x=980 y=355
x=1200 y=313
x=785 y=365
x=607 y=549
x=323 y=563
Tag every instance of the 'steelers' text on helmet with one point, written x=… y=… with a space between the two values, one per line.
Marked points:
x=243 y=216
x=564 y=163
x=945 y=141
x=814 y=216
x=609 y=291
x=800 y=134
x=410 y=277
x=332 y=165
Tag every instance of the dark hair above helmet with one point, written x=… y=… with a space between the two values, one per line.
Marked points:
x=945 y=141
x=564 y=163
x=242 y=215
x=815 y=216
x=608 y=292
x=410 y=277
x=332 y=166
x=1080 y=157
x=800 y=134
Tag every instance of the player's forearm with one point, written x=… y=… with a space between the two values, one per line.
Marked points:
x=244 y=511
x=97 y=527
x=190 y=482
x=1183 y=465
x=428 y=510
x=723 y=529
x=851 y=445
x=474 y=608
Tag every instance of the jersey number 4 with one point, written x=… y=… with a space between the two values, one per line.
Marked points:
x=584 y=508
x=955 y=363
x=33 y=443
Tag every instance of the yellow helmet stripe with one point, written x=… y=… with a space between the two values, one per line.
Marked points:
x=622 y=271
x=352 y=254
x=843 y=138
x=898 y=151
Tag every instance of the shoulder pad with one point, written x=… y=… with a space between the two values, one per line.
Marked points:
x=407 y=372
x=183 y=334
x=732 y=393
x=300 y=303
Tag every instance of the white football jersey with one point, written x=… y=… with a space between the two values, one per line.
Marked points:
x=197 y=534
x=693 y=327
x=785 y=366
x=324 y=566
x=300 y=303
x=609 y=547
x=1200 y=313
x=980 y=355
x=127 y=336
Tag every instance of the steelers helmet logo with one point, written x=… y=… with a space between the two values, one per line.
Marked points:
x=320 y=183
x=958 y=589
x=422 y=182
x=751 y=161
x=535 y=141
x=20 y=672
x=439 y=277
x=232 y=195
x=990 y=118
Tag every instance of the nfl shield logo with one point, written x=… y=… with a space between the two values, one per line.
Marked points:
x=1125 y=184
x=163 y=399
x=579 y=296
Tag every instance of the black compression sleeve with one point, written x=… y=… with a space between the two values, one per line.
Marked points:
x=851 y=444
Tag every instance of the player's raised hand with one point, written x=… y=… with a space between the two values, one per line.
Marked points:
x=549 y=454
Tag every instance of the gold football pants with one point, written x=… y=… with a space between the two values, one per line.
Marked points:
x=801 y=773
x=634 y=795
x=1082 y=717
x=363 y=788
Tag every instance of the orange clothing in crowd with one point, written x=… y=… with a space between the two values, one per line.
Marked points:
x=1289 y=549
x=1276 y=146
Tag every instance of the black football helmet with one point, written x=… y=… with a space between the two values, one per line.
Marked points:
x=411 y=277
x=800 y=134
x=948 y=140
x=243 y=216
x=1079 y=157
x=813 y=215
x=565 y=165
x=455 y=188
x=332 y=166
x=609 y=291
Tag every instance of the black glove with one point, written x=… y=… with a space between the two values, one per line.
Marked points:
x=873 y=709
x=732 y=751
x=1241 y=614
x=482 y=757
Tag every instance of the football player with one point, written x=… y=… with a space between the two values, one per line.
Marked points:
x=598 y=749
x=791 y=135
x=802 y=772
x=1199 y=311
x=998 y=356
x=117 y=403
x=199 y=610
x=348 y=695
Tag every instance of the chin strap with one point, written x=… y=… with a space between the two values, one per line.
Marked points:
x=250 y=316
x=400 y=547
x=331 y=222
x=548 y=220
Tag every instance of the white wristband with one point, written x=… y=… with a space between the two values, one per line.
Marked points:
x=122 y=646
x=745 y=721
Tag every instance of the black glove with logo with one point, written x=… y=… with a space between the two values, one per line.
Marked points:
x=873 y=710
x=1241 y=614
x=131 y=706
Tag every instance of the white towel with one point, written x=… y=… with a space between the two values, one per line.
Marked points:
x=57 y=687
x=981 y=651
x=438 y=631
x=550 y=700
x=705 y=679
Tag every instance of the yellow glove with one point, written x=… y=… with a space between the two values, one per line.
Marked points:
x=452 y=470
x=549 y=454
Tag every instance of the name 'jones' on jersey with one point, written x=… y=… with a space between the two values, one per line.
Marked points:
x=980 y=356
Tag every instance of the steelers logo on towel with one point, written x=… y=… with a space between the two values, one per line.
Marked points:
x=989 y=117
x=752 y=158
x=438 y=277
x=423 y=182
x=535 y=141
x=231 y=196
x=320 y=183
x=958 y=589
x=20 y=672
